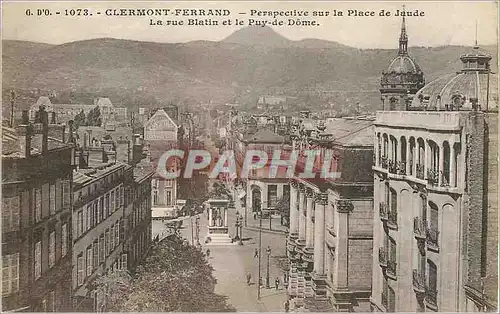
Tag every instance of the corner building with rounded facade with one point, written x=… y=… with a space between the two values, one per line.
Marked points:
x=435 y=229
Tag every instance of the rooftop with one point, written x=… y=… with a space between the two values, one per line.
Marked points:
x=350 y=131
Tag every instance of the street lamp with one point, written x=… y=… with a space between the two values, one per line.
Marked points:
x=268 y=251
x=237 y=225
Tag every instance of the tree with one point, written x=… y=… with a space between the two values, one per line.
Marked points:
x=94 y=117
x=283 y=207
x=175 y=277
x=80 y=120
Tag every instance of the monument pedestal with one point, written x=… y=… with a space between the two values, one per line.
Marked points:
x=218 y=231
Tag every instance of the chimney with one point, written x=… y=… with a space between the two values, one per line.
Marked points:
x=24 y=117
x=84 y=159
x=77 y=158
x=44 y=117
x=85 y=140
x=71 y=139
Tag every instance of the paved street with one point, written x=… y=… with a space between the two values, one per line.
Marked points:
x=232 y=262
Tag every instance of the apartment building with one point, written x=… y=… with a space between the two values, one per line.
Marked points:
x=36 y=217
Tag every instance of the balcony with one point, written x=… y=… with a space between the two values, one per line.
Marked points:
x=392 y=166
x=432 y=238
x=420 y=172
x=392 y=222
x=419 y=229
x=383 y=162
x=432 y=177
x=401 y=167
x=418 y=281
x=383 y=212
x=431 y=298
x=391 y=269
x=382 y=257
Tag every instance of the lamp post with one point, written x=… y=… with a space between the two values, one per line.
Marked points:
x=268 y=251
x=237 y=225
x=241 y=230
x=260 y=250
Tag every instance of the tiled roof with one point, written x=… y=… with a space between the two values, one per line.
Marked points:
x=264 y=136
x=350 y=131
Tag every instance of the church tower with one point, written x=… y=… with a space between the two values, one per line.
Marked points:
x=402 y=79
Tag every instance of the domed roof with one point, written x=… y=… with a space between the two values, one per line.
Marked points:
x=403 y=63
x=458 y=91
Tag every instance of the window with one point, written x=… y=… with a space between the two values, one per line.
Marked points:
x=89 y=261
x=38 y=259
x=38 y=205
x=169 y=183
x=169 y=198
x=121 y=195
x=112 y=235
x=52 y=298
x=101 y=249
x=124 y=262
x=52 y=198
x=117 y=234
x=121 y=230
x=80 y=269
x=107 y=205
x=66 y=190
x=89 y=217
x=64 y=240
x=10 y=214
x=108 y=246
x=112 y=201
x=52 y=249
x=272 y=195
x=10 y=273
x=95 y=254
x=79 y=223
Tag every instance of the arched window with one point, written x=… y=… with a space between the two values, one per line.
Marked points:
x=433 y=230
x=446 y=165
x=432 y=282
x=404 y=158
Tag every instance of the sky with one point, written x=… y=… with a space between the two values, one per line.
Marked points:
x=443 y=23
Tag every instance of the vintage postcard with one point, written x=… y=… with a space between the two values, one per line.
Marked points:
x=249 y=156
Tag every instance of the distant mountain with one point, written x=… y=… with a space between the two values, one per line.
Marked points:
x=257 y=35
x=238 y=68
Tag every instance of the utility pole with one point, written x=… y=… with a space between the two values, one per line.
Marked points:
x=12 y=98
x=192 y=230
x=260 y=250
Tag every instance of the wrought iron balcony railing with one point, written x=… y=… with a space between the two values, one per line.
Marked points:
x=420 y=171
x=419 y=228
x=418 y=281
x=432 y=176
x=382 y=257
x=432 y=238
x=401 y=167
x=392 y=166
x=383 y=162
x=383 y=211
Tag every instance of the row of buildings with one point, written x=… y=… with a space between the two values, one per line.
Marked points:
x=72 y=210
x=412 y=223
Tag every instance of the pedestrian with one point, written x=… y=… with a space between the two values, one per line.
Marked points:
x=249 y=278
x=254 y=215
x=276 y=283
x=208 y=253
x=255 y=253
x=260 y=281
x=287 y=306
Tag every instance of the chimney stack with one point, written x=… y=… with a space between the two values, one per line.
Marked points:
x=84 y=159
x=44 y=117
x=24 y=117
x=71 y=139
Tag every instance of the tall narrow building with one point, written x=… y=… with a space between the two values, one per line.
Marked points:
x=435 y=235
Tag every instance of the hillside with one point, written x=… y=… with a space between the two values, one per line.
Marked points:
x=137 y=73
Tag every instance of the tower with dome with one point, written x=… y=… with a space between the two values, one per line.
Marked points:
x=402 y=79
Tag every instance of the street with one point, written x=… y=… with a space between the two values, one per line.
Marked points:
x=232 y=263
